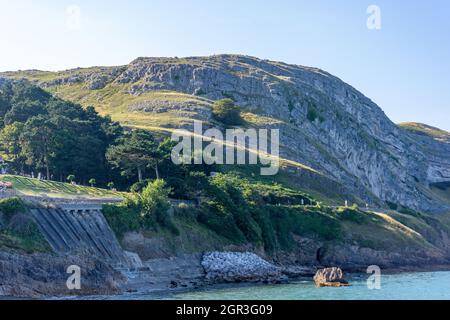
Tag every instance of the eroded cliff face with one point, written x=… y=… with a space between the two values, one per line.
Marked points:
x=324 y=122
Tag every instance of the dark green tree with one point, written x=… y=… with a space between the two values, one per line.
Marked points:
x=38 y=143
x=227 y=112
x=135 y=152
x=11 y=145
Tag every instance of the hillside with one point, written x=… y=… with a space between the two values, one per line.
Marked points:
x=325 y=124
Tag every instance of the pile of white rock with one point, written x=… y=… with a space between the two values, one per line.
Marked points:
x=240 y=267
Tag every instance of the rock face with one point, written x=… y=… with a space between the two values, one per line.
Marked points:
x=40 y=275
x=239 y=267
x=324 y=123
x=330 y=277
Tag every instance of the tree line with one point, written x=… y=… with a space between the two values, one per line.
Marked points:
x=42 y=133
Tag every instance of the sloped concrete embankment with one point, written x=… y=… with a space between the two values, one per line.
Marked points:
x=75 y=231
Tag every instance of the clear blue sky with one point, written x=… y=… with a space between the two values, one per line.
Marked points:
x=404 y=67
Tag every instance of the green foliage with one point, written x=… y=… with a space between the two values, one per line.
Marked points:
x=227 y=112
x=19 y=230
x=303 y=222
x=122 y=218
x=391 y=205
x=154 y=201
x=263 y=214
x=143 y=211
x=70 y=178
x=41 y=133
x=352 y=214
x=135 y=152
x=312 y=114
x=11 y=206
x=410 y=212
x=139 y=186
x=92 y=182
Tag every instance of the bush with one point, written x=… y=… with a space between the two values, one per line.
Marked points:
x=139 y=186
x=154 y=201
x=142 y=211
x=216 y=218
x=11 y=206
x=352 y=214
x=20 y=232
x=391 y=205
x=312 y=114
x=227 y=112
x=122 y=218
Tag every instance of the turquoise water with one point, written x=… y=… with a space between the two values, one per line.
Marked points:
x=405 y=286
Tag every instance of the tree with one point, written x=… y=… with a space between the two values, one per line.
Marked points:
x=92 y=182
x=38 y=142
x=110 y=185
x=21 y=111
x=226 y=112
x=154 y=201
x=70 y=178
x=10 y=145
x=135 y=152
x=45 y=132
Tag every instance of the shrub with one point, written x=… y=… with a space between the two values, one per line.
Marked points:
x=122 y=218
x=139 y=186
x=154 y=201
x=145 y=210
x=391 y=205
x=226 y=112
x=352 y=214
x=11 y=206
x=215 y=217
x=20 y=232
x=312 y=114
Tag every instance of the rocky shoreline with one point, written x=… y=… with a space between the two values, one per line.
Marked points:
x=44 y=276
x=39 y=275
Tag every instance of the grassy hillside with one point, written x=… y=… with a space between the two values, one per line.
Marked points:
x=427 y=130
x=41 y=188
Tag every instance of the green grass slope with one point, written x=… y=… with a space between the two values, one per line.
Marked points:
x=23 y=186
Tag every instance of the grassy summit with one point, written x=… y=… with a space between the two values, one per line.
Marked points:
x=424 y=129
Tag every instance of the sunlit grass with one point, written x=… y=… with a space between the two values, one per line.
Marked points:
x=42 y=188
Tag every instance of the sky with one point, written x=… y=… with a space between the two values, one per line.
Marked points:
x=403 y=64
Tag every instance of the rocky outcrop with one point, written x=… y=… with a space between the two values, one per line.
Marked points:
x=330 y=277
x=239 y=267
x=40 y=275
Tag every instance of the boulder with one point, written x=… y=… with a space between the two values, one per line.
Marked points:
x=330 y=277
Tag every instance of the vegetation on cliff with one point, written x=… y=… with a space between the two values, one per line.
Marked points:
x=17 y=228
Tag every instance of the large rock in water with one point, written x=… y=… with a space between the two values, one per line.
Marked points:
x=330 y=277
x=239 y=267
